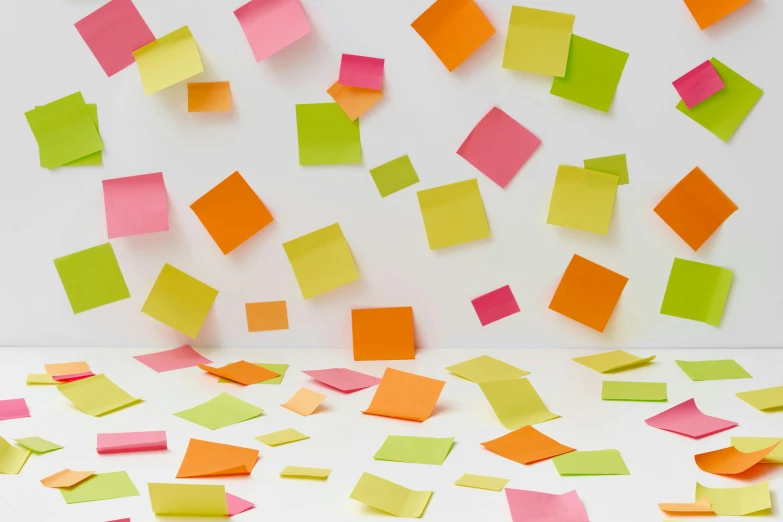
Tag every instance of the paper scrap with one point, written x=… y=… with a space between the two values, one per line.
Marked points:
x=96 y=158
x=304 y=402
x=66 y=478
x=97 y=395
x=633 y=391
x=100 y=486
x=281 y=437
x=415 y=450
x=276 y=368
x=749 y=444
x=698 y=84
x=38 y=445
x=266 y=316
x=135 y=205
x=700 y=507
x=697 y=291
x=617 y=165
x=272 y=26
x=390 y=497
x=241 y=372
x=224 y=410
x=40 y=378
x=199 y=500
x=613 y=361
x=237 y=505
x=300 y=472
x=174 y=359
x=394 y=176
x=209 y=97
x=453 y=214
x=13 y=409
x=354 y=101
x=582 y=199
x=91 y=278
x=601 y=462
x=343 y=379
x=737 y=501
x=12 y=459
x=72 y=377
x=538 y=41
x=486 y=369
x=131 y=442
x=382 y=334
x=718 y=370
x=707 y=12
x=361 y=71
x=468 y=480
x=211 y=459
x=526 y=446
x=67 y=368
x=404 y=395
x=168 y=60
x=766 y=399
x=516 y=403
x=730 y=461
x=534 y=506
x=686 y=419
x=326 y=135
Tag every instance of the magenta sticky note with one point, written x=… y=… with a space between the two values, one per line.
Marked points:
x=13 y=409
x=237 y=505
x=121 y=520
x=495 y=305
x=72 y=377
x=135 y=205
x=699 y=84
x=361 y=71
x=499 y=146
x=343 y=379
x=687 y=419
x=174 y=359
x=131 y=441
x=113 y=32
x=533 y=506
x=271 y=25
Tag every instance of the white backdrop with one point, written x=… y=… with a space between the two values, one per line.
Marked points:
x=426 y=113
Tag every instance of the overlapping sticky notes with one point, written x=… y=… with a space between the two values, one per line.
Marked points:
x=304 y=402
x=13 y=409
x=174 y=359
x=343 y=379
x=67 y=368
x=766 y=399
x=686 y=419
x=100 y=486
x=382 y=334
x=179 y=300
x=617 y=165
x=304 y=472
x=271 y=26
x=66 y=478
x=390 y=497
x=633 y=391
x=96 y=158
x=404 y=395
x=707 y=12
x=499 y=146
x=276 y=368
x=38 y=445
x=730 y=461
x=394 y=176
x=209 y=97
x=241 y=372
x=697 y=291
x=469 y=480
x=737 y=501
x=516 y=403
x=750 y=444
x=453 y=214
x=211 y=459
x=485 y=369
x=278 y=438
x=534 y=506
x=495 y=305
x=717 y=370
x=168 y=60
x=72 y=377
x=700 y=507
x=600 y=462
x=582 y=199
x=361 y=71
x=454 y=29
x=538 y=41
x=415 y=450
x=198 y=500
x=12 y=459
x=326 y=135
x=354 y=101
x=40 y=378
x=97 y=395
x=321 y=261
x=131 y=441
x=224 y=410
x=266 y=316
x=723 y=112
x=91 y=278
x=698 y=84
x=526 y=446
x=135 y=205
x=592 y=74
x=612 y=361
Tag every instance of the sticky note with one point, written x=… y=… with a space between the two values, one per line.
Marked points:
x=486 y=369
x=707 y=12
x=526 y=445
x=394 y=176
x=326 y=135
x=617 y=165
x=12 y=459
x=354 y=101
x=281 y=437
x=266 y=316
x=361 y=71
x=534 y=506
x=67 y=368
x=382 y=334
x=495 y=305
x=40 y=378
x=718 y=370
x=209 y=97
x=97 y=395
x=280 y=369
x=415 y=450
x=271 y=25
x=633 y=391
x=174 y=359
x=592 y=74
x=601 y=462
x=66 y=478
x=321 y=261
x=701 y=506
x=730 y=461
x=300 y=472
x=499 y=146
x=211 y=459
x=131 y=442
x=764 y=399
x=241 y=372
x=13 y=409
x=453 y=214
x=390 y=497
x=697 y=291
x=38 y=445
x=135 y=205
x=481 y=482
x=101 y=486
x=72 y=377
x=96 y=158
x=454 y=29
x=750 y=444
x=199 y=500
x=538 y=41
x=224 y=410
x=612 y=361
x=91 y=278
x=686 y=419
x=168 y=60
x=582 y=199
x=724 y=112
x=516 y=403
x=698 y=84
x=737 y=501
x=404 y=395
x=236 y=505
x=179 y=301
x=304 y=402
x=343 y=379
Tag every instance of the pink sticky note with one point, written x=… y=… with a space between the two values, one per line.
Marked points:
x=131 y=441
x=343 y=379
x=113 y=32
x=271 y=25
x=72 y=377
x=361 y=71
x=13 y=409
x=237 y=505
x=495 y=305
x=499 y=146
x=533 y=506
x=174 y=359
x=699 y=84
x=135 y=205
x=687 y=419
x=121 y=520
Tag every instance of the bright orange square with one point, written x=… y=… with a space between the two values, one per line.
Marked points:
x=231 y=212
x=404 y=395
x=209 y=97
x=707 y=12
x=526 y=446
x=242 y=372
x=354 y=101
x=453 y=29
x=382 y=334
x=270 y=315
x=695 y=208
x=588 y=293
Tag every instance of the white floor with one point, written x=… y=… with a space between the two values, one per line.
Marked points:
x=342 y=438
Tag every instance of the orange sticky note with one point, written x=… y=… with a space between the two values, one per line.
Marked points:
x=209 y=97
x=707 y=12
x=265 y=316
x=700 y=507
x=231 y=212
x=242 y=372
x=404 y=395
x=588 y=293
x=453 y=29
x=354 y=101
x=695 y=208
x=382 y=334
x=526 y=445
x=730 y=461
x=66 y=478
x=67 y=368
x=304 y=402
x=211 y=459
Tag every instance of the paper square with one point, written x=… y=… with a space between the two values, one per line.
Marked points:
x=96 y=158
x=221 y=411
x=97 y=395
x=582 y=199
x=179 y=301
x=343 y=379
x=38 y=445
x=13 y=409
x=354 y=101
x=394 y=176
x=532 y=506
x=168 y=60
x=174 y=359
x=404 y=395
x=382 y=334
x=91 y=278
x=697 y=291
x=361 y=71
x=271 y=25
x=495 y=305
x=486 y=369
x=304 y=402
x=265 y=316
x=453 y=214
x=707 y=12
x=327 y=136
x=538 y=41
x=209 y=97
x=617 y=165
x=135 y=205
x=698 y=84
x=101 y=486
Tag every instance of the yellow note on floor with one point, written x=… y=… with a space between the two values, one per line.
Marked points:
x=481 y=482
x=168 y=60
x=516 y=403
x=613 y=361
x=453 y=214
x=737 y=501
x=296 y=471
x=97 y=395
x=198 y=500
x=40 y=378
x=485 y=369
x=281 y=437
x=390 y=497
x=582 y=199
x=538 y=41
x=766 y=399
x=12 y=459
x=751 y=444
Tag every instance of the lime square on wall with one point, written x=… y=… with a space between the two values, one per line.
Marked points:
x=179 y=301
x=394 y=176
x=697 y=291
x=326 y=135
x=91 y=278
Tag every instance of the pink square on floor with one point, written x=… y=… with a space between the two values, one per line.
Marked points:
x=499 y=146
x=534 y=506
x=699 y=84
x=271 y=25
x=113 y=32
x=495 y=305
x=13 y=409
x=361 y=71
x=686 y=419
x=174 y=359
x=135 y=205
x=343 y=379
x=131 y=441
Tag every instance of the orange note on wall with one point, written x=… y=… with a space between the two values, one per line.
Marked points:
x=383 y=334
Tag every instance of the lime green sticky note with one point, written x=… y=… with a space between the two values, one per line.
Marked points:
x=321 y=260
x=612 y=361
x=390 y=497
x=394 y=176
x=40 y=378
x=97 y=395
x=481 y=482
x=697 y=291
x=516 y=403
x=718 y=370
x=415 y=450
x=617 y=165
x=485 y=369
x=224 y=410
x=311 y=473
x=764 y=399
x=751 y=444
x=96 y=158
x=281 y=437
x=277 y=368
x=592 y=74
x=538 y=41
x=101 y=486
x=582 y=199
x=723 y=112
x=601 y=462
x=12 y=459
x=453 y=214
x=168 y=60
x=91 y=278
x=38 y=445
x=198 y=500
x=737 y=502
x=326 y=135
x=633 y=391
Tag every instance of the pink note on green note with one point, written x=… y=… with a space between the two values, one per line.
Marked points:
x=237 y=505
x=361 y=71
x=271 y=25
x=699 y=84
x=495 y=305
x=343 y=379
x=687 y=419
x=174 y=359
x=135 y=205
x=533 y=506
x=131 y=441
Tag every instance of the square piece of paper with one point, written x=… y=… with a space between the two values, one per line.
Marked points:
x=304 y=402
x=698 y=84
x=740 y=501
x=415 y=450
x=697 y=291
x=241 y=372
x=13 y=409
x=343 y=379
x=354 y=101
x=101 y=486
x=482 y=482
x=212 y=459
x=272 y=25
x=38 y=445
x=389 y=497
x=707 y=12
x=174 y=359
x=718 y=370
x=361 y=71
x=766 y=399
x=198 y=500
x=135 y=205
x=582 y=199
x=453 y=214
x=224 y=410
x=633 y=391
x=486 y=369
x=281 y=437
x=168 y=60
x=538 y=41
x=308 y=473
x=326 y=135
x=526 y=445
x=495 y=305
x=266 y=316
x=394 y=176
x=91 y=278
x=601 y=462
x=275 y=368
x=617 y=165
x=66 y=478
x=97 y=395
x=404 y=395
x=516 y=403
x=533 y=506
x=209 y=97
x=179 y=301
x=12 y=459
x=131 y=442
x=382 y=334
x=686 y=419
x=612 y=361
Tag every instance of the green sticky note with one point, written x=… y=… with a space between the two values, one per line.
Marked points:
x=592 y=74
x=97 y=395
x=197 y=500
x=601 y=462
x=481 y=482
x=224 y=410
x=723 y=112
x=453 y=214
x=538 y=41
x=486 y=369
x=96 y=158
x=582 y=199
x=326 y=135
x=101 y=486
x=516 y=403
x=277 y=368
x=390 y=497
x=764 y=399
x=415 y=450
x=394 y=176
x=38 y=445
x=12 y=459
x=751 y=444
x=91 y=278
x=737 y=502
x=718 y=370
x=697 y=291
x=613 y=361
x=310 y=473
x=281 y=437
x=617 y=165
x=633 y=391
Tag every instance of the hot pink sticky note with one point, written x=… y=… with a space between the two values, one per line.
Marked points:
x=495 y=305
x=237 y=505
x=499 y=146
x=121 y=520
x=687 y=419
x=13 y=409
x=699 y=84
x=533 y=506
x=113 y=32
x=135 y=205
x=361 y=71
x=343 y=379
x=174 y=359
x=131 y=441
x=271 y=25
x=72 y=377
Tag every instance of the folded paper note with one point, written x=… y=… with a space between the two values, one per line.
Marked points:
x=582 y=199
x=168 y=60
x=361 y=71
x=764 y=399
x=405 y=395
x=38 y=445
x=12 y=459
x=495 y=305
x=731 y=461
x=101 y=486
x=686 y=419
x=382 y=334
x=66 y=478
x=516 y=403
x=707 y=12
x=266 y=316
x=236 y=505
x=174 y=359
x=534 y=506
x=304 y=402
x=13 y=409
x=270 y=26
x=390 y=497
x=538 y=41
x=698 y=84
x=97 y=395
x=241 y=372
x=633 y=391
x=481 y=482
x=415 y=450
x=613 y=361
x=526 y=446
x=697 y=291
x=96 y=158
x=327 y=136
x=343 y=379
x=40 y=378
x=131 y=441
x=750 y=444
x=209 y=97
x=224 y=410
x=276 y=368
x=486 y=369
x=737 y=501
x=67 y=368
x=211 y=459
x=281 y=437
x=354 y=101
x=453 y=214
x=713 y=370
x=188 y=499
x=700 y=507
x=601 y=462
x=617 y=165
x=72 y=377
x=91 y=278
x=311 y=473
x=135 y=205
x=394 y=176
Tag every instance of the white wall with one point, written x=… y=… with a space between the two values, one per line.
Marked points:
x=426 y=113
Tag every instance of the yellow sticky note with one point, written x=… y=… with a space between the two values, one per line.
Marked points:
x=736 y=501
x=481 y=482
x=582 y=199
x=453 y=214
x=281 y=437
x=538 y=41
x=485 y=369
x=197 y=500
x=299 y=472
x=766 y=399
x=616 y=360
x=168 y=60
x=516 y=403
x=40 y=378
x=751 y=444
x=390 y=497
x=12 y=459
x=96 y=395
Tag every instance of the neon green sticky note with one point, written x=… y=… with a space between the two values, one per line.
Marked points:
x=538 y=41
x=415 y=450
x=697 y=291
x=224 y=410
x=394 y=176
x=97 y=395
x=91 y=278
x=168 y=60
x=601 y=462
x=281 y=437
x=737 y=501
x=277 y=368
x=764 y=399
x=486 y=369
x=717 y=370
x=582 y=199
x=311 y=473
x=38 y=445
x=101 y=486
x=633 y=391
x=617 y=165
x=12 y=459
x=96 y=158
x=326 y=135
x=516 y=403
x=198 y=500
x=613 y=361
x=723 y=112
x=390 y=497
x=40 y=378
x=751 y=444
x=453 y=214
x=482 y=482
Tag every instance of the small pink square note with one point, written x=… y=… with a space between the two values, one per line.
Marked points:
x=361 y=71
x=174 y=359
x=699 y=84
x=13 y=409
x=495 y=305
x=271 y=25
x=135 y=205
